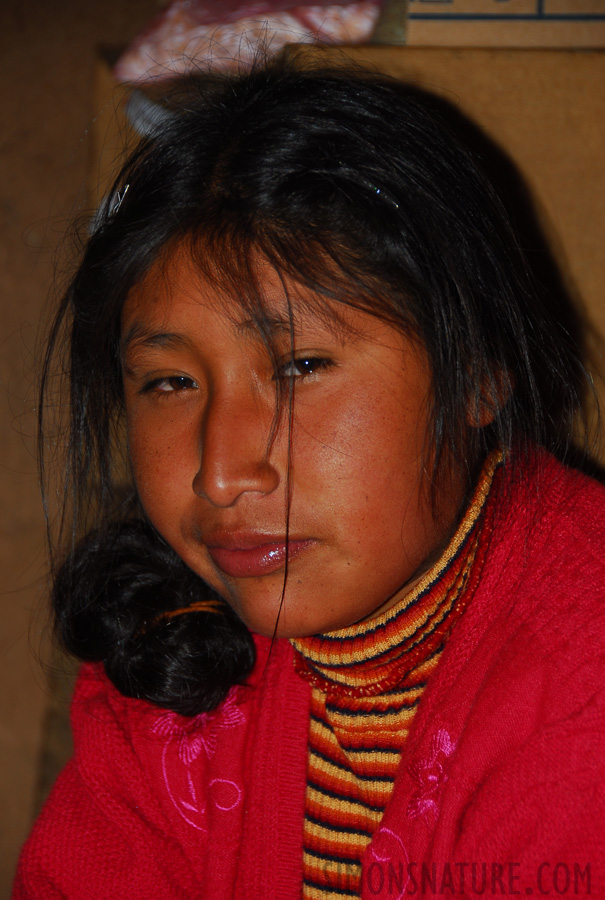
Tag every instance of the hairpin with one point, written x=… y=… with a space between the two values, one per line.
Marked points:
x=211 y=606
x=117 y=199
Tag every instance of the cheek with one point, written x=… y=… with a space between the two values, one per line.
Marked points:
x=159 y=463
x=367 y=445
x=368 y=465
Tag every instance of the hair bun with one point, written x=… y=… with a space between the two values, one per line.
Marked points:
x=113 y=598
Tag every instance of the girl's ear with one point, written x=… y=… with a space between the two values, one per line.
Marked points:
x=496 y=389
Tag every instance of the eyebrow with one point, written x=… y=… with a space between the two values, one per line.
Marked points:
x=273 y=325
x=138 y=335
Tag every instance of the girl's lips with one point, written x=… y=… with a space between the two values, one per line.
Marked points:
x=259 y=559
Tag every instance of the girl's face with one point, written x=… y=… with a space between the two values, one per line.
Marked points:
x=213 y=477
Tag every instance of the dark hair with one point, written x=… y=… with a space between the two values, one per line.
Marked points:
x=355 y=186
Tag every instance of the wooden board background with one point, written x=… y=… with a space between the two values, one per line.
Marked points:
x=506 y=23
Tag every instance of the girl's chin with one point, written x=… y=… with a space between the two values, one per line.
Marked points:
x=279 y=625
x=284 y=625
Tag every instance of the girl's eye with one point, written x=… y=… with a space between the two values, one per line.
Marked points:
x=169 y=384
x=304 y=366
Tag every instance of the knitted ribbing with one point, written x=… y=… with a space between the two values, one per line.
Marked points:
x=367 y=682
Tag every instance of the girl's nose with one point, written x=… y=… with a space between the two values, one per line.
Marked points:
x=236 y=450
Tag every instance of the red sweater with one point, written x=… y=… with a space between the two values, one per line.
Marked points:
x=501 y=784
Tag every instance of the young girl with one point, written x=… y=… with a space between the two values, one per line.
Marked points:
x=343 y=630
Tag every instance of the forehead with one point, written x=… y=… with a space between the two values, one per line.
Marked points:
x=262 y=301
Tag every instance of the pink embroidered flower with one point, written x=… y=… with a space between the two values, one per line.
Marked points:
x=429 y=774
x=185 y=740
x=199 y=733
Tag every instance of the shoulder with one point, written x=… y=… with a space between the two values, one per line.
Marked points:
x=100 y=832
x=549 y=535
x=133 y=811
x=540 y=605
x=540 y=657
x=569 y=506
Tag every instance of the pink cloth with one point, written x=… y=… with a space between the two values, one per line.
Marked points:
x=197 y=35
x=501 y=777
